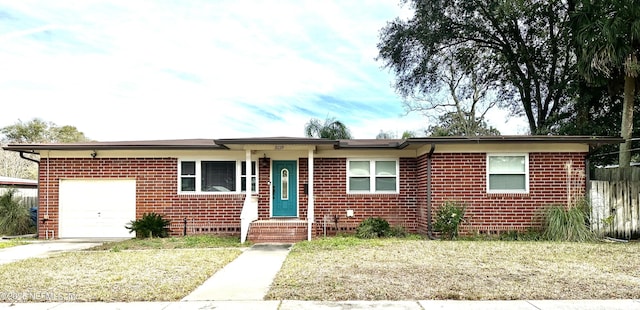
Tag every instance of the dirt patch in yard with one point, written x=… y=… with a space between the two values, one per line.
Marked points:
x=392 y=269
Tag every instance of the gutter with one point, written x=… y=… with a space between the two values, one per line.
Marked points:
x=429 y=225
x=29 y=159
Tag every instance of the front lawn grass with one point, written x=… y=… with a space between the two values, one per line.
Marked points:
x=196 y=241
x=141 y=275
x=346 y=268
x=11 y=243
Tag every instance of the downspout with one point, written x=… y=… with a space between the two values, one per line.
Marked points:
x=38 y=163
x=429 y=226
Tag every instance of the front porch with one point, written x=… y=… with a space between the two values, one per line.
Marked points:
x=282 y=208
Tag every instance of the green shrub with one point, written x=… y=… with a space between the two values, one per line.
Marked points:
x=150 y=225
x=373 y=227
x=398 y=232
x=568 y=224
x=15 y=218
x=448 y=219
x=529 y=235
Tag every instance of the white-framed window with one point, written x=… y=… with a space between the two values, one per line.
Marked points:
x=188 y=176
x=507 y=173
x=284 y=184
x=243 y=176
x=217 y=176
x=214 y=176
x=372 y=176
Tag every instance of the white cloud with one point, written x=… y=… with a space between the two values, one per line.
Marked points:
x=127 y=70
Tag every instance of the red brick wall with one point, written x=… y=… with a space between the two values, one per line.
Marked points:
x=303 y=178
x=156 y=191
x=462 y=177
x=331 y=198
x=264 y=188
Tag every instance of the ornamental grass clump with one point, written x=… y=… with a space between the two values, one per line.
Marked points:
x=568 y=223
x=448 y=219
x=15 y=218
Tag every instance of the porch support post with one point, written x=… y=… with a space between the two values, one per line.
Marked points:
x=250 y=208
x=247 y=198
x=310 y=210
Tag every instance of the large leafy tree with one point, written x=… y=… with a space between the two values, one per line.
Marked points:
x=597 y=111
x=39 y=131
x=330 y=128
x=34 y=131
x=523 y=45
x=607 y=35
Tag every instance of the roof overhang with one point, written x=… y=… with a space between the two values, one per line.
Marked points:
x=189 y=144
x=8 y=181
x=288 y=143
x=370 y=144
x=585 y=140
x=274 y=143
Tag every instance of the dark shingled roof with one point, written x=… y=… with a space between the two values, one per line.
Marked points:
x=590 y=140
x=184 y=144
x=119 y=145
x=274 y=140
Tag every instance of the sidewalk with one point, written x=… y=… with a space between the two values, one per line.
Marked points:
x=248 y=277
x=624 y=304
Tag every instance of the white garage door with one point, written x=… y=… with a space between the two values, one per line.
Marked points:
x=96 y=208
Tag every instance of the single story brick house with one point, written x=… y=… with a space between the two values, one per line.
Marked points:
x=302 y=188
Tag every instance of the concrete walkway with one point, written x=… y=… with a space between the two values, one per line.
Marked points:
x=248 y=277
x=44 y=248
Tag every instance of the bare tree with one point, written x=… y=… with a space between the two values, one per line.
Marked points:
x=461 y=105
x=11 y=165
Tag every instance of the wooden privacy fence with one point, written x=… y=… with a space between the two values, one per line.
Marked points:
x=30 y=201
x=615 y=208
x=617 y=174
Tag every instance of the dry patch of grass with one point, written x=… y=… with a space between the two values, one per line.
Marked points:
x=186 y=242
x=392 y=269
x=148 y=275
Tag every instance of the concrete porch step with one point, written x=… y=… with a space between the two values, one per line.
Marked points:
x=278 y=231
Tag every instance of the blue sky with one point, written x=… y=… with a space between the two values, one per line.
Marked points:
x=137 y=70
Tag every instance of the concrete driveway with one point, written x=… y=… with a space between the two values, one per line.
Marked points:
x=42 y=248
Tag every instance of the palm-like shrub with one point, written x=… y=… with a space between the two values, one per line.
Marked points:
x=15 y=218
x=149 y=226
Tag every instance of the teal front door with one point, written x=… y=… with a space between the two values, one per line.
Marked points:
x=285 y=188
